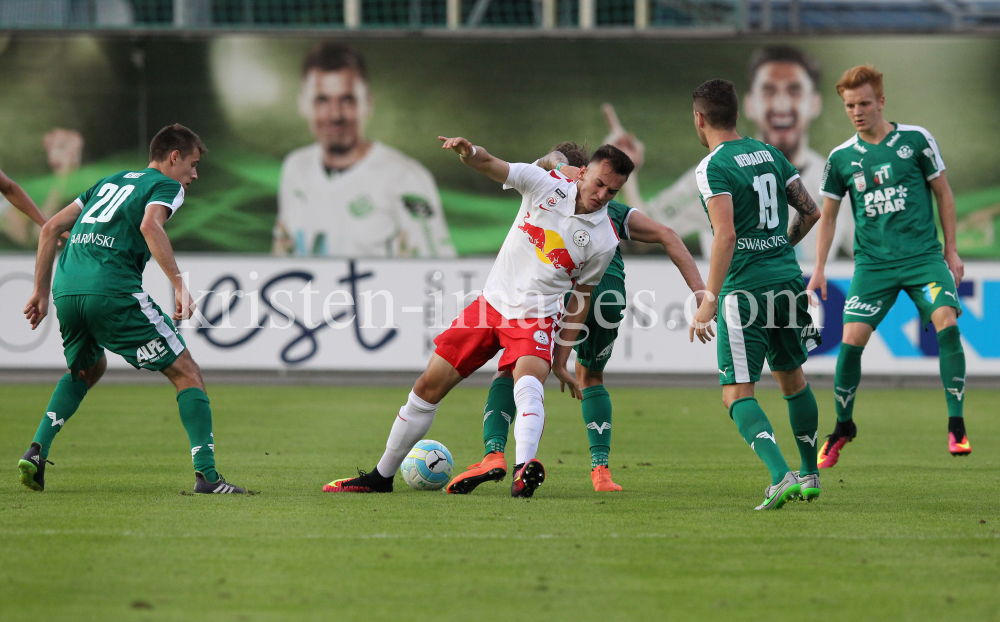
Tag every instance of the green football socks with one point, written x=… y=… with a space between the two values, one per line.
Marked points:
x=498 y=414
x=597 y=416
x=757 y=432
x=64 y=402
x=846 y=380
x=952 y=362
x=196 y=415
x=804 y=416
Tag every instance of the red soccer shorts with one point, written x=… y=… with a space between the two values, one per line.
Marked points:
x=479 y=332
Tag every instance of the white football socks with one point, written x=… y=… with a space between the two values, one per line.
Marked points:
x=529 y=395
x=412 y=422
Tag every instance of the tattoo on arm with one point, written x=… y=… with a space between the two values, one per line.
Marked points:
x=804 y=206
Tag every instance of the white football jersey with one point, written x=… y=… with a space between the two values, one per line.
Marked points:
x=386 y=205
x=548 y=248
x=679 y=207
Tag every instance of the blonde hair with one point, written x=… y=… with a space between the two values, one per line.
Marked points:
x=859 y=76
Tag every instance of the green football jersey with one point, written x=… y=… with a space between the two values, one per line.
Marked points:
x=755 y=175
x=106 y=252
x=891 y=195
x=619 y=214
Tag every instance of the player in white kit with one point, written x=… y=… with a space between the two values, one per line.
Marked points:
x=562 y=239
x=345 y=195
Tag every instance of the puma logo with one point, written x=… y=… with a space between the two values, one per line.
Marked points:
x=724 y=372
x=858 y=163
x=947 y=293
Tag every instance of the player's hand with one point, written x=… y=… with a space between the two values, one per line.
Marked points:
x=956 y=266
x=816 y=281
x=186 y=305
x=62 y=239
x=701 y=323
x=36 y=309
x=458 y=144
x=567 y=379
x=626 y=141
x=64 y=149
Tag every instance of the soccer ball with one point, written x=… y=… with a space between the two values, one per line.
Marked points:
x=428 y=466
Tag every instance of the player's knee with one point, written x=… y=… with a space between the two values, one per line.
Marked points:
x=94 y=373
x=503 y=374
x=427 y=390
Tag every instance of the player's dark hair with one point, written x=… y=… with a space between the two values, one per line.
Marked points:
x=716 y=99
x=173 y=138
x=783 y=54
x=620 y=163
x=576 y=155
x=334 y=56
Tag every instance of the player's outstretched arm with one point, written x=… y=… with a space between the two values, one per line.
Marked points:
x=642 y=228
x=478 y=158
x=20 y=199
x=824 y=240
x=38 y=305
x=806 y=212
x=159 y=247
x=633 y=148
x=946 y=210
x=720 y=212
x=567 y=335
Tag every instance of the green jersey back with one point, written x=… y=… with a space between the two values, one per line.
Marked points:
x=106 y=252
x=619 y=215
x=888 y=183
x=755 y=175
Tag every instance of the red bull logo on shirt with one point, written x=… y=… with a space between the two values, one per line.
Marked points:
x=549 y=246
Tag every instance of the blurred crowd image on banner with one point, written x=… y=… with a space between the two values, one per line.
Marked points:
x=782 y=103
x=346 y=195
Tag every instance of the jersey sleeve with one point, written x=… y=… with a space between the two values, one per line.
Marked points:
x=422 y=222
x=168 y=193
x=712 y=180
x=929 y=157
x=624 y=231
x=831 y=185
x=526 y=178
x=594 y=269
x=84 y=198
x=788 y=171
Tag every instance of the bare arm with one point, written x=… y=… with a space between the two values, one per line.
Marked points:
x=159 y=246
x=642 y=228
x=20 y=199
x=720 y=212
x=569 y=328
x=552 y=160
x=806 y=212
x=946 y=210
x=824 y=240
x=38 y=305
x=478 y=158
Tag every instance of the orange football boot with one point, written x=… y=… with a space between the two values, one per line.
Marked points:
x=959 y=449
x=601 y=476
x=843 y=433
x=493 y=468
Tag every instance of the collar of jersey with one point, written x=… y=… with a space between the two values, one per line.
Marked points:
x=592 y=217
x=895 y=129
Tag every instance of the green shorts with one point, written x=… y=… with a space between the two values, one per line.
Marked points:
x=130 y=326
x=929 y=284
x=748 y=332
x=608 y=300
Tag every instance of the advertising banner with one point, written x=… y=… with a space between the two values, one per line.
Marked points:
x=318 y=149
x=268 y=313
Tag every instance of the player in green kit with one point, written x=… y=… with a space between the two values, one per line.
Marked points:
x=115 y=227
x=891 y=171
x=593 y=352
x=755 y=286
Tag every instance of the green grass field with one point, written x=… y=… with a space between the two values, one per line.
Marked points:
x=903 y=531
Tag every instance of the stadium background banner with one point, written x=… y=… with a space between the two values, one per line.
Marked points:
x=384 y=314
x=517 y=97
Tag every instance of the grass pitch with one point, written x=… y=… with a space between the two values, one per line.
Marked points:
x=901 y=531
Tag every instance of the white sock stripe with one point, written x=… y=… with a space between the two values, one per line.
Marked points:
x=157 y=321
x=737 y=346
